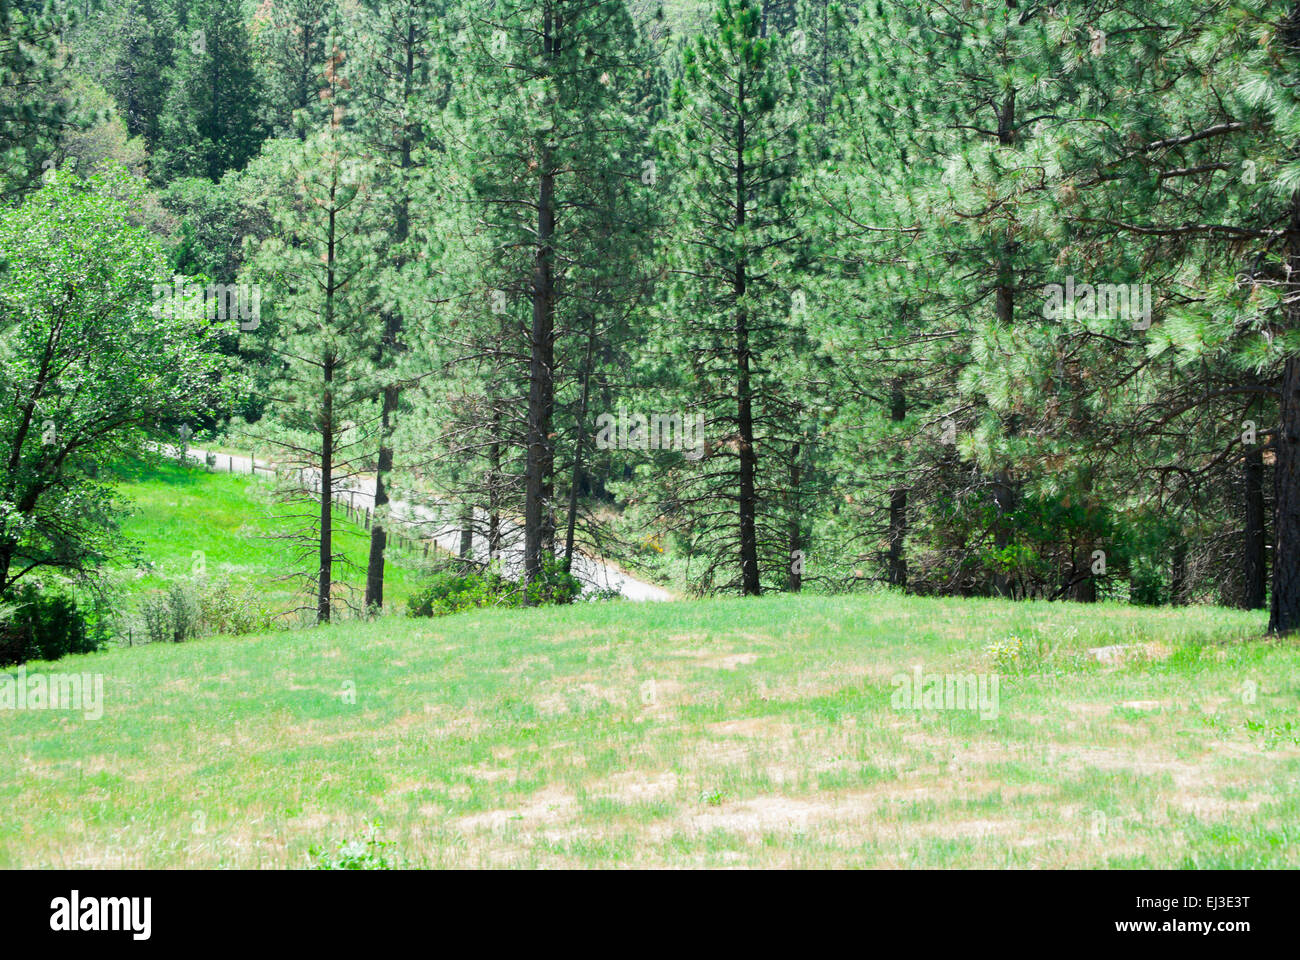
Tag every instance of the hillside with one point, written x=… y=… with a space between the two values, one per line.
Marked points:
x=232 y=527
x=720 y=732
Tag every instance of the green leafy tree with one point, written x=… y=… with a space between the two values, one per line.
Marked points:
x=92 y=369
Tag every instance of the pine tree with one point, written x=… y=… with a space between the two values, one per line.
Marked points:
x=290 y=38
x=31 y=113
x=736 y=224
x=822 y=48
x=947 y=249
x=320 y=268
x=144 y=40
x=213 y=121
x=545 y=131
x=392 y=81
x=1204 y=178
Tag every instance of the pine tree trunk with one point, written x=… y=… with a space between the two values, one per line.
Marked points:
x=748 y=457
x=1083 y=585
x=538 y=527
x=494 y=493
x=749 y=574
x=327 y=428
x=378 y=533
x=538 y=531
x=897 y=560
x=1284 y=614
x=1255 y=558
x=795 y=545
x=466 y=551
x=392 y=333
x=1083 y=582
x=572 y=524
x=326 y=499
x=1178 y=574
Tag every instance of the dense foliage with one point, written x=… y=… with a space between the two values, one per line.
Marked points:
x=451 y=591
x=987 y=298
x=43 y=625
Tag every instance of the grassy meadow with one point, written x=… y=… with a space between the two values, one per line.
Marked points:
x=714 y=733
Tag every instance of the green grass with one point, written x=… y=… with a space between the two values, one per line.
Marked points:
x=181 y=516
x=707 y=733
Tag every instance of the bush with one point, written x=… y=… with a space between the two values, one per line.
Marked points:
x=225 y=610
x=554 y=584
x=186 y=611
x=368 y=852
x=451 y=591
x=172 y=616
x=40 y=625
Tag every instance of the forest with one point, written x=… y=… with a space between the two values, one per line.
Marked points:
x=950 y=297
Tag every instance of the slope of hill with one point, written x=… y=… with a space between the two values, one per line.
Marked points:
x=184 y=518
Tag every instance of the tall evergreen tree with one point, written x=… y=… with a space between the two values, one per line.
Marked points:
x=144 y=41
x=213 y=121
x=736 y=224
x=393 y=83
x=31 y=112
x=546 y=130
x=320 y=267
x=290 y=38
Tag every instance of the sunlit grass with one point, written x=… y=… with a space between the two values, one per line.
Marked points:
x=725 y=732
x=186 y=521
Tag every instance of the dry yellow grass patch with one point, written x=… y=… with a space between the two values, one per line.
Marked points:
x=549 y=806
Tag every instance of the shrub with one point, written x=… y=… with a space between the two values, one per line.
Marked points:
x=173 y=615
x=553 y=584
x=40 y=625
x=451 y=591
x=368 y=852
x=226 y=610
x=156 y=616
x=185 y=611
